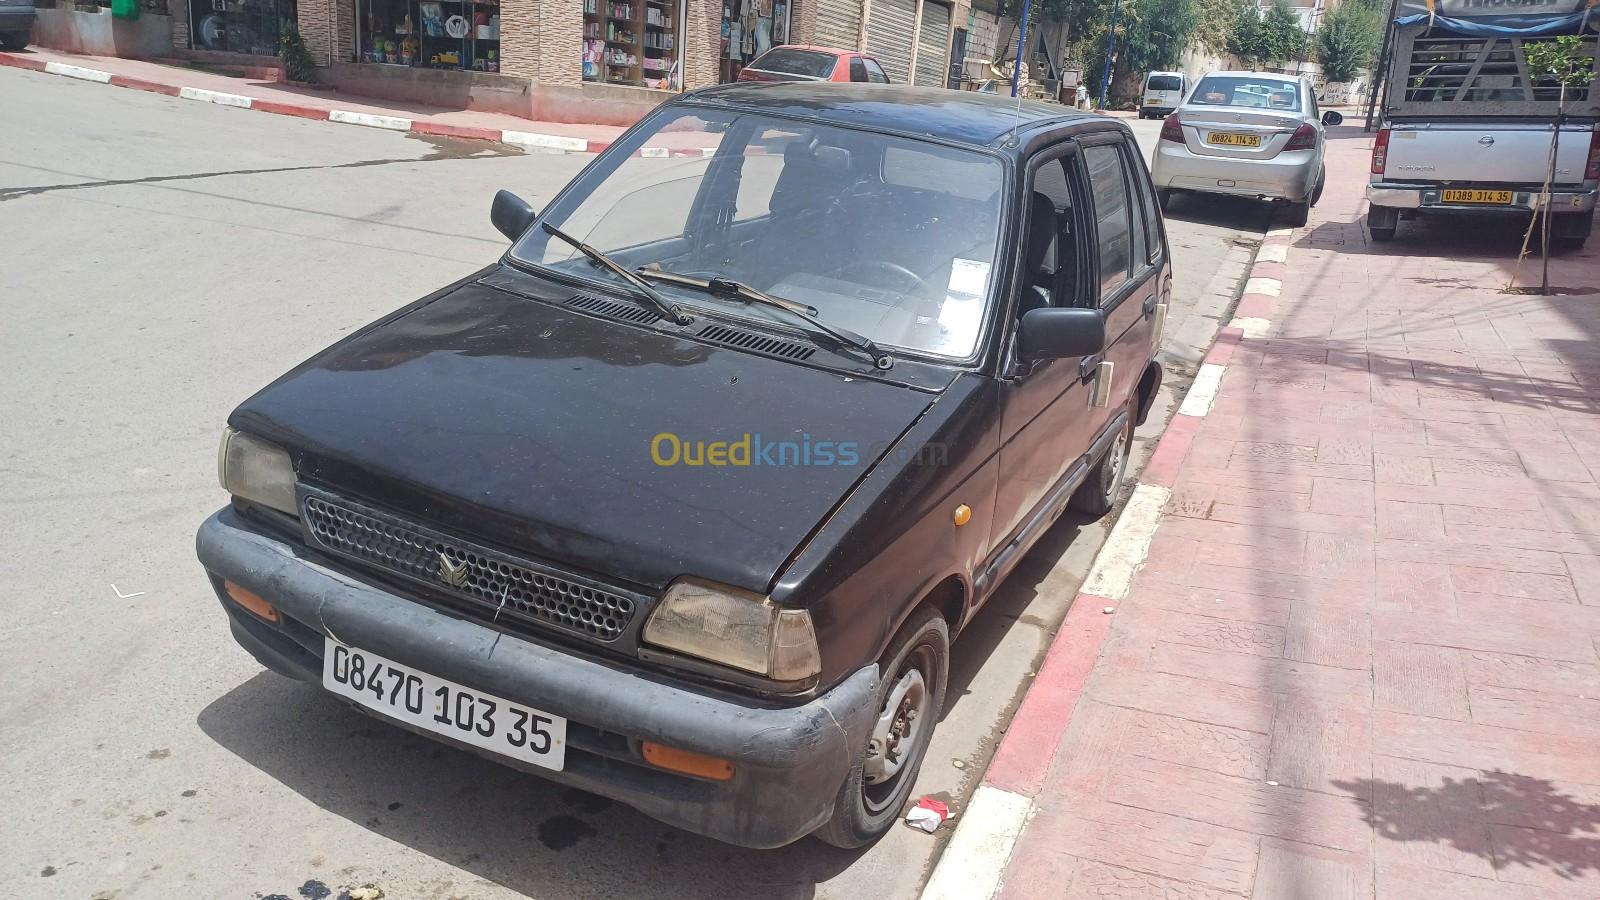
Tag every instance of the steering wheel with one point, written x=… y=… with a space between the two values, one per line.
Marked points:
x=895 y=270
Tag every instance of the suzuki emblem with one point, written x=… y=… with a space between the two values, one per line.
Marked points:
x=451 y=572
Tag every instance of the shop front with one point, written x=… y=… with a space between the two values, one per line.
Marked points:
x=911 y=38
x=239 y=26
x=635 y=43
x=430 y=34
x=750 y=28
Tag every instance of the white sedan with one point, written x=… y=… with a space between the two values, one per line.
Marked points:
x=1246 y=134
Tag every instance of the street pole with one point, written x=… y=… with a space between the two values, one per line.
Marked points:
x=1111 y=52
x=1022 y=43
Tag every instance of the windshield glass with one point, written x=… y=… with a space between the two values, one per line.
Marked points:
x=795 y=62
x=1258 y=93
x=1164 y=83
x=888 y=237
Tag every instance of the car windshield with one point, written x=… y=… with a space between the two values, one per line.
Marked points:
x=795 y=62
x=1164 y=83
x=889 y=237
x=1257 y=93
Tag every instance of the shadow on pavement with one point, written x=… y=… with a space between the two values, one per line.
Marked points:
x=1221 y=211
x=1504 y=818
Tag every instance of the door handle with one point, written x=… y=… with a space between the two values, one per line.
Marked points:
x=1150 y=304
x=1087 y=366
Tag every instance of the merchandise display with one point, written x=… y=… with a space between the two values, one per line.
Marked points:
x=749 y=29
x=632 y=42
x=437 y=34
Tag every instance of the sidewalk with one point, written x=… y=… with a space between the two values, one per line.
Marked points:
x=286 y=99
x=1353 y=652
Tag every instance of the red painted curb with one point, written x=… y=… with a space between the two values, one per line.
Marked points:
x=289 y=109
x=1222 y=350
x=21 y=62
x=1269 y=270
x=456 y=131
x=1255 y=306
x=139 y=84
x=1162 y=469
x=1025 y=754
x=598 y=147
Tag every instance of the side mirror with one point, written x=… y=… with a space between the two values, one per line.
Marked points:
x=511 y=214
x=1331 y=118
x=1060 y=334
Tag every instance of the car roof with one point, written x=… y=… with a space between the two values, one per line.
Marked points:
x=1238 y=74
x=814 y=48
x=962 y=117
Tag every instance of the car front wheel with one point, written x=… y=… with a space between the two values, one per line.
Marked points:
x=1163 y=198
x=1098 y=493
x=910 y=700
x=13 y=40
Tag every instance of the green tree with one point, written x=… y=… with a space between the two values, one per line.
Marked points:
x=1245 y=40
x=1281 y=35
x=1215 y=23
x=1151 y=34
x=1348 y=39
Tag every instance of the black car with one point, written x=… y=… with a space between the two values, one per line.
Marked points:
x=682 y=501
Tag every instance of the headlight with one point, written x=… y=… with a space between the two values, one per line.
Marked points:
x=735 y=628
x=251 y=468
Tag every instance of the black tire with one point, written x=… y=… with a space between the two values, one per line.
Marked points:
x=1316 y=193
x=861 y=812
x=1571 y=232
x=1099 y=491
x=1297 y=214
x=1163 y=198
x=13 y=40
x=1381 y=222
x=1382 y=235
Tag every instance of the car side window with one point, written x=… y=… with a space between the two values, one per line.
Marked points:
x=858 y=70
x=1111 y=214
x=1049 y=244
x=1146 y=206
x=875 y=73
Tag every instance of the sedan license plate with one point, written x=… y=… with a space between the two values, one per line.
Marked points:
x=443 y=707
x=1473 y=196
x=1230 y=139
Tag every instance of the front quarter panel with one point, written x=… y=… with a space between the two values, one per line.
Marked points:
x=895 y=538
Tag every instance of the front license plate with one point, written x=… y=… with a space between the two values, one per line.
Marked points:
x=1228 y=139
x=1467 y=196
x=444 y=707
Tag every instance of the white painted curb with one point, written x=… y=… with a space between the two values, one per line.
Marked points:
x=217 y=97
x=392 y=123
x=79 y=72
x=976 y=856
x=1203 y=392
x=1272 y=287
x=1129 y=543
x=1251 y=326
x=546 y=141
x=1273 y=253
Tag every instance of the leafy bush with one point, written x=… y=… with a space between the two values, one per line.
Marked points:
x=1348 y=41
x=297 y=62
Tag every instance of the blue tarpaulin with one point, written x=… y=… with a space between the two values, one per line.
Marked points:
x=1502 y=26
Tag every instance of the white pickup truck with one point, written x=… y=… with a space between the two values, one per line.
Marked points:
x=1467 y=132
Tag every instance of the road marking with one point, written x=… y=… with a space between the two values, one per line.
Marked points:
x=1271 y=287
x=1251 y=326
x=1129 y=543
x=976 y=856
x=1203 y=392
x=392 y=123
x=1280 y=232
x=55 y=68
x=217 y=97
x=122 y=596
x=1273 y=253
x=547 y=141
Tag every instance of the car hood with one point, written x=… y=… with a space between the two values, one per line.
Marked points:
x=531 y=427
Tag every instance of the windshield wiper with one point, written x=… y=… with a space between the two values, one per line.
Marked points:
x=650 y=294
x=737 y=290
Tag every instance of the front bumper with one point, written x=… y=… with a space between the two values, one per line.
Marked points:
x=1291 y=175
x=789 y=761
x=1430 y=197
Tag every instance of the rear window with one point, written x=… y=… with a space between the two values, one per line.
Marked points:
x=1164 y=83
x=1254 y=93
x=795 y=62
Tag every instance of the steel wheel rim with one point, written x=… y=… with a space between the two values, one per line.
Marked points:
x=896 y=742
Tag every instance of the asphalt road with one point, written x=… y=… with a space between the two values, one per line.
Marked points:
x=161 y=259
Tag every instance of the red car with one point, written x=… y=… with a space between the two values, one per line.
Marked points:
x=798 y=62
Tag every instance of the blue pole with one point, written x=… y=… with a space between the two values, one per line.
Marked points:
x=1111 y=51
x=1022 y=42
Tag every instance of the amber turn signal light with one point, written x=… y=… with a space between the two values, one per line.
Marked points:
x=673 y=759
x=251 y=602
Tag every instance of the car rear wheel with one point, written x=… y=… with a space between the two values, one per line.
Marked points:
x=1571 y=232
x=1381 y=222
x=910 y=701
x=1163 y=198
x=13 y=40
x=1098 y=493
x=1297 y=214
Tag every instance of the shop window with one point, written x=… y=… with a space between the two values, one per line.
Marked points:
x=433 y=34
x=633 y=42
x=237 y=26
x=749 y=29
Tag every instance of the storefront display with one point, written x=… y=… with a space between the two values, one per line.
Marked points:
x=240 y=26
x=749 y=29
x=632 y=42
x=434 y=34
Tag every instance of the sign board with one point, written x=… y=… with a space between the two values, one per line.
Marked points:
x=1477 y=9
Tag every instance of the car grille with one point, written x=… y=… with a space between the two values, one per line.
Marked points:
x=493 y=583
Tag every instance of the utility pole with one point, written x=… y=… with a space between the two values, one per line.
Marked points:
x=1022 y=43
x=1111 y=54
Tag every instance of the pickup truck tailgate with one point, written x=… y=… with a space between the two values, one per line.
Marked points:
x=1484 y=153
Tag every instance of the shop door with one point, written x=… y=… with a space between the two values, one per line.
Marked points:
x=891 y=27
x=839 y=24
x=932 y=60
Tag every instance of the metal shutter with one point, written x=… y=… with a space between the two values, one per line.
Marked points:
x=891 y=27
x=838 y=24
x=932 y=62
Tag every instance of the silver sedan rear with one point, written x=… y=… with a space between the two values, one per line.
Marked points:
x=1245 y=134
